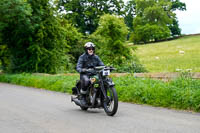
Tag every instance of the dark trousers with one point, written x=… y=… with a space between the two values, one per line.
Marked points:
x=85 y=81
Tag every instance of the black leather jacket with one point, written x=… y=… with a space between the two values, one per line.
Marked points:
x=88 y=61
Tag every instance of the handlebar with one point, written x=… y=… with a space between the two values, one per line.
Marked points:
x=99 y=69
x=104 y=67
x=90 y=70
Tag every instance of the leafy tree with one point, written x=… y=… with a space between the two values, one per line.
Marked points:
x=48 y=47
x=4 y=57
x=129 y=14
x=15 y=28
x=174 y=27
x=177 y=5
x=147 y=32
x=110 y=38
x=33 y=35
x=85 y=14
x=151 y=21
x=74 y=39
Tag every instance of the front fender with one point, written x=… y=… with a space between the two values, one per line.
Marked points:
x=109 y=82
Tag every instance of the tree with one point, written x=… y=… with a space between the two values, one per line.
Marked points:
x=110 y=38
x=33 y=35
x=129 y=14
x=146 y=33
x=48 y=47
x=4 y=57
x=152 y=20
x=74 y=40
x=85 y=14
x=15 y=28
x=177 y=5
x=174 y=27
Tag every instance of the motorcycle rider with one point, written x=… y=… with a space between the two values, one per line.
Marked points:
x=87 y=60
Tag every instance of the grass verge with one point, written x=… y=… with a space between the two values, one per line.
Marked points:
x=181 y=93
x=54 y=83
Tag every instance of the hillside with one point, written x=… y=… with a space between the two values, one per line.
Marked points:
x=171 y=56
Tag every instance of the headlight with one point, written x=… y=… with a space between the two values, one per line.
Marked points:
x=92 y=80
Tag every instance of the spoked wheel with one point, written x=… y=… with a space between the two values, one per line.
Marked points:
x=110 y=103
x=84 y=108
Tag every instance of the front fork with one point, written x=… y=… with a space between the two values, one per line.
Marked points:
x=103 y=89
x=109 y=83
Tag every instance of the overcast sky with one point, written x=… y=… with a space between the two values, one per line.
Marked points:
x=189 y=20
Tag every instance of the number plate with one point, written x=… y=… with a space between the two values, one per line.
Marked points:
x=106 y=72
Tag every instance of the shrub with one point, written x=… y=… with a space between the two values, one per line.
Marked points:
x=131 y=66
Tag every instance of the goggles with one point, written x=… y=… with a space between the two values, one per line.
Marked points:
x=90 y=49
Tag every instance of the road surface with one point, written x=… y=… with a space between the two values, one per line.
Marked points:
x=30 y=110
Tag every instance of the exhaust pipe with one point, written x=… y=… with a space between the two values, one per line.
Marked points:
x=77 y=102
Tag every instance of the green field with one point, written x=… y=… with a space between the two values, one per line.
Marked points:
x=169 y=56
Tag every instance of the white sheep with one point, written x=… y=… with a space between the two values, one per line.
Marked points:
x=181 y=52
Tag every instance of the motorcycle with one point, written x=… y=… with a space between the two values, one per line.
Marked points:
x=101 y=92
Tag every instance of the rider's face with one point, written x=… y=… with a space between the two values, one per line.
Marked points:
x=90 y=51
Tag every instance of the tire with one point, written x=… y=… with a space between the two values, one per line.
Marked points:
x=84 y=108
x=112 y=100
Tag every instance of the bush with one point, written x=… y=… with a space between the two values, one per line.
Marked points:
x=131 y=67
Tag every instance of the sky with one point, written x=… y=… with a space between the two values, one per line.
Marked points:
x=189 y=20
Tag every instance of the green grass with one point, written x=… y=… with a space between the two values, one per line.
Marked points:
x=165 y=56
x=181 y=93
x=55 y=83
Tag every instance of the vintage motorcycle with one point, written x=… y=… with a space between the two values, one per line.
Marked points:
x=101 y=92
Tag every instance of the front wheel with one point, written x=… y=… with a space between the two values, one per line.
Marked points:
x=110 y=103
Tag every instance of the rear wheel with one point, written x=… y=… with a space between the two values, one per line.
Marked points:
x=84 y=108
x=110 y=103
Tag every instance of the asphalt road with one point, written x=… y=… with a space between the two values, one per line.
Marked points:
x=30 y=110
